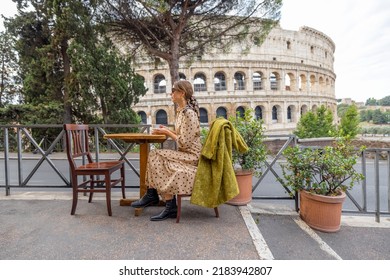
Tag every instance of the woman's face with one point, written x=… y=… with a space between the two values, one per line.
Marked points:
x=177 y=96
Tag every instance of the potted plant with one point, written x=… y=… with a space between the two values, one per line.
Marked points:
x=321 y=176
x=250 y=163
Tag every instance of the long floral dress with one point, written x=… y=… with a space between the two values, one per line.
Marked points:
x=173 y=171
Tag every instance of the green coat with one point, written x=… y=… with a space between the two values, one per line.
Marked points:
x=215 y=181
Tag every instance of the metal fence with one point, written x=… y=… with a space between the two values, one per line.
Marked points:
x=44 y=140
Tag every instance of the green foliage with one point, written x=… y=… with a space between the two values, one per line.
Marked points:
x=27 y=114
x=376 y=129
x=316 y=124
x=378 y=117
x=341 y=108
x=375 y=116
x=65 y=57
x=385 y=101
x=349 y=123
x=326 y=171
x=177 y=29
x=371 y=101
x=9 y=82
x=252 y=131
x=103 y=81
x=204 y=131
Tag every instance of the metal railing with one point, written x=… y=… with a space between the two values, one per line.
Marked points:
x=21 y=139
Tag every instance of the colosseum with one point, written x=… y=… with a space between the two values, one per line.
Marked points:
x=288 y=75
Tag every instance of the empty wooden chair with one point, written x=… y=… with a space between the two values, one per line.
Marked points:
x=77 y=149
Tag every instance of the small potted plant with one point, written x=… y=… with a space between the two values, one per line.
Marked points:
x=321 y=176
x=251 y=162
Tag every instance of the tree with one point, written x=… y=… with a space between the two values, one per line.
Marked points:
x=63 y=54
x=385 y=101
x=103 y=81
x=371 y=101
x=341 y=108
x=183 y=29
x=378 y=117
x=349 y=123
x=316 y=124
x=9 y=82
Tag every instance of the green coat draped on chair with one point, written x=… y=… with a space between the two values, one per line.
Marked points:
x=215 y=181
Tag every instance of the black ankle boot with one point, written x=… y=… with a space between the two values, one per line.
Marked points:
x=170 y=211
x=150 y=198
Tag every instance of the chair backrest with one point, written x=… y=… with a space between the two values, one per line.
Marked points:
x=77 y=143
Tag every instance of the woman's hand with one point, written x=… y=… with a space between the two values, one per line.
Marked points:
x=163 y=130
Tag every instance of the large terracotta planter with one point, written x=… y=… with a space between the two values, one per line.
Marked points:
x=244 y=181
x=321 y=212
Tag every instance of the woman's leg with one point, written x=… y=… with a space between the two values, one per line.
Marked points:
x=170 y=210
x=150 y=198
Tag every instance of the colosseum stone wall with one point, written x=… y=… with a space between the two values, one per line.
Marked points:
x=289 y=74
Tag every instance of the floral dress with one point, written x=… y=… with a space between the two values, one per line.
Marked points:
x=173 y=171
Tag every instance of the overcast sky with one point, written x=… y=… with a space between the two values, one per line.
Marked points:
x=360 y=30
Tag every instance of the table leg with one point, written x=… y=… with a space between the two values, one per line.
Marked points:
x=143 y=160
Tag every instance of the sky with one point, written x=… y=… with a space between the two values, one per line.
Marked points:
x=359 y=28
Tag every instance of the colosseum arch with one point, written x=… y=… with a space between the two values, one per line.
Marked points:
x=258 y=80
x=221 y=112
x=289 y=81
x=274 y=79
x=276 y=114
x=143 y=117
x=321 y=84
x=182 y=76
x=200 y=82
x=291 y=114
x=312 y=83
x=159 y=84
x=204 y=117
x=327 y=85
x=302 y=82
x=240 y=111
x=239 y=81
x=219 y=81
x=260 y=113
x=304 y=109
x=161 y=117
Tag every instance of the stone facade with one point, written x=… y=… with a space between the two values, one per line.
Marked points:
x=289 y=74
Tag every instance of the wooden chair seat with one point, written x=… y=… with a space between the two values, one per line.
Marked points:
x=77 y=148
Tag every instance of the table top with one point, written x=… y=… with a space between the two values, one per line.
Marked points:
x=137 y=137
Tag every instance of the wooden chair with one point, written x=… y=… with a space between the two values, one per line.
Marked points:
x=179 y=197
x=77 y=148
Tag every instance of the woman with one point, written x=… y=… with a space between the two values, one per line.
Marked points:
x=171 y=172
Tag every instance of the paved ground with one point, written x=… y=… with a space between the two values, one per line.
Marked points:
x=38 y=226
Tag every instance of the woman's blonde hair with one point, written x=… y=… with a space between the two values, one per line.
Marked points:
x=186 y=87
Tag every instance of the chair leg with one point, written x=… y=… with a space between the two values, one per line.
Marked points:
x=216 y=212
x=178 y=201
x=123 y=181
x=108 y=194
x=91 y=188
x=75 y=194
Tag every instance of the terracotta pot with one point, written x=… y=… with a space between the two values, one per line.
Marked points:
x=244 y=181
x=321 y=212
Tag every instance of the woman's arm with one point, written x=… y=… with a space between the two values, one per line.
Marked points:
x=163 y=130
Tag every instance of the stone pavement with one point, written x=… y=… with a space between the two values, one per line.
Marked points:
x=38 y=226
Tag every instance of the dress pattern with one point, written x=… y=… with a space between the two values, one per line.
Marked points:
x=173 y=171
